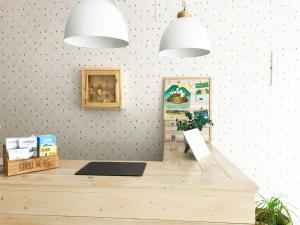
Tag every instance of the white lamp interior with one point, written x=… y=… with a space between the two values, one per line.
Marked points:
x=184 y=52
x=95 y=42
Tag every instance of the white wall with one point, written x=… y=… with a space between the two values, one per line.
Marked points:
x=256 y=125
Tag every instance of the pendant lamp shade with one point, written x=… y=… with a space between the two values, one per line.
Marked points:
x=96 y=24
x=185 y=37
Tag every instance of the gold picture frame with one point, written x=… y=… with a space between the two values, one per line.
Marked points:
x=102 y=88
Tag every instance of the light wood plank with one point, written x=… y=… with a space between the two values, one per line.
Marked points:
x=62 y=220
x=177 y=189
x=131 y=203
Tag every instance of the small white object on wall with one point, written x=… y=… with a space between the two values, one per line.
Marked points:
x=197 y=144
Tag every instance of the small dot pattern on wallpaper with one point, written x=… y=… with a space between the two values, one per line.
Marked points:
x=255 y=111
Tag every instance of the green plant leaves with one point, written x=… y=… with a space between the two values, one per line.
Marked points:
x=198 y=119
x=272 y=212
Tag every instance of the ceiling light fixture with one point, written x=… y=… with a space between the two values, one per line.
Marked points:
x=185 y=37
x=96 y=24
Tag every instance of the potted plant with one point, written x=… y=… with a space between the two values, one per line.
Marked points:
x=198 y=119
x=272 y=212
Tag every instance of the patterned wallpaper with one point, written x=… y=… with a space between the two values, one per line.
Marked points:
x=256 y=123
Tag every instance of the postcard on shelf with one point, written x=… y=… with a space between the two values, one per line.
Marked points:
x=12 y=143
x=48 y=150
x=197 y=143
x=31 y=143
x=18 y=154
x=47 y=145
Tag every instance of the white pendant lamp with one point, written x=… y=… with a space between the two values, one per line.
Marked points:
x=185 y=37
x=96 y=24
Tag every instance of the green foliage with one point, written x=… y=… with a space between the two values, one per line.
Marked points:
x=272 y=212
x=198 y=119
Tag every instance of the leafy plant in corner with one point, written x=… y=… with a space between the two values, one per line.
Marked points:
x=272 y=212
x=198 y=119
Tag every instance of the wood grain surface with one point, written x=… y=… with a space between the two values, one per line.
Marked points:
x=178 y=190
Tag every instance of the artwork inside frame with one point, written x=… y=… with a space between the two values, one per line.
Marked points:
x=177 y=100
x=101 y=88
x=185 y=94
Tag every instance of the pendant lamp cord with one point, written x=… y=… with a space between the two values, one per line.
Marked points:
x=184 y=5
x=181 y=4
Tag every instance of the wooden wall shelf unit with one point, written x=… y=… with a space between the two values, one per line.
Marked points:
x=17 y=167
x=177 y=191
x=102 y=88
x=170 y=127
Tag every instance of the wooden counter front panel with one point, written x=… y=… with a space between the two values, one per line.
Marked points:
x=176 y=191
x=132 y=203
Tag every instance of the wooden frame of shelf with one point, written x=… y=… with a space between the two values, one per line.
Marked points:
x=104 y=91
x=17 y=167
x=171 y=124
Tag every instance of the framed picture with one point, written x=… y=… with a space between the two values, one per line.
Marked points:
x=101 y=88
x=185 y=94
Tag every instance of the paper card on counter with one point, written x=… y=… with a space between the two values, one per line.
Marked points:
x=197 y=144
x=18 y=154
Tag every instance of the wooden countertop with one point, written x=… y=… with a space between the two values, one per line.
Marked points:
x=176 y=191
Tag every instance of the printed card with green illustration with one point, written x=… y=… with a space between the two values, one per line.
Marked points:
x=202 y=91
x=177 y=100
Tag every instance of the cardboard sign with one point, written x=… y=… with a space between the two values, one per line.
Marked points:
x=197 y=144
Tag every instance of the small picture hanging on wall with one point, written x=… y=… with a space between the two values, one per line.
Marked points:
x=202 y=91
x=177 y=98
x=181 y=95
x=101 y=88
